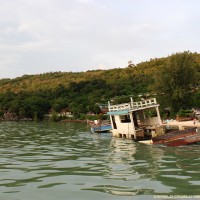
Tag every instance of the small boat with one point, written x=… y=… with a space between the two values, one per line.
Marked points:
x=103 y=128
x=99 y=126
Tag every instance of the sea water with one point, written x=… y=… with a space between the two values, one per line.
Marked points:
x=59 y=161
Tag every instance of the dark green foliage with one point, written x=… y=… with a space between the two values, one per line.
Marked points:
x=174 y=79
x=54 y=117
x=36 y=107
x=185 y=113
x=59 y=104
x=196 y=99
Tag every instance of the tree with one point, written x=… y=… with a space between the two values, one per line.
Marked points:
x=36 y=107
x=96 y=109
x=175 y=81
x=59 y=104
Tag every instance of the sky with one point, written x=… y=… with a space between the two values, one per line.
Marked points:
x=39 y=36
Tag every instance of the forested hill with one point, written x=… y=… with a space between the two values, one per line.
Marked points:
x=142 y=72
x=52 y=80
x=32 y=95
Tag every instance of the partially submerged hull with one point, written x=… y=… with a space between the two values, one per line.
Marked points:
x=176 y=138
x=192 y=139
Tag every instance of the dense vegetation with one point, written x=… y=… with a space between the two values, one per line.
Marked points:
x=175 y=81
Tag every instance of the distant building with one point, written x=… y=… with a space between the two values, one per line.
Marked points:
x=64 y=113
x=90 y=113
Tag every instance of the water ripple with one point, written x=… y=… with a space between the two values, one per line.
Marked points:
x=59 y=161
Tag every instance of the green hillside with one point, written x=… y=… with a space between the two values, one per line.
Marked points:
x=34 y=95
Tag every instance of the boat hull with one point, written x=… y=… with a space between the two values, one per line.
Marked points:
x=101 y=129
x=178 y=138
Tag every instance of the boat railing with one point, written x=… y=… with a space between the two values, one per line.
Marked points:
x=132 y=105
x=144 y=103
x=117 y=107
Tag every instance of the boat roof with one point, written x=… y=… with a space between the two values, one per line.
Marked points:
x=123 y=109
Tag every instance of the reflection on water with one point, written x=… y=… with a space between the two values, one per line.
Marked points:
x=64 y=161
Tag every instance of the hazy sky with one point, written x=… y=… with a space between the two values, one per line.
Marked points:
x=38 y=36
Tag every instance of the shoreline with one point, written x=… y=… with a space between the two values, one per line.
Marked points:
x=189 y=123
x=74 y=120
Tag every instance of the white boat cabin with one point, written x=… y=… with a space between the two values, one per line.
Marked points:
x=136 y=120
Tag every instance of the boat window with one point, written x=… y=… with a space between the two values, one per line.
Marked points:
x=135 y=121
x=125 y=118
x=114 y=123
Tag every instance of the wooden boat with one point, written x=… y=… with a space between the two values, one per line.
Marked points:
x=99 y=126
x=103 y=128
x=192 y=139
x=178 y=138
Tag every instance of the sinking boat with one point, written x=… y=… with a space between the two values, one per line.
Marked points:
x=134 y=120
